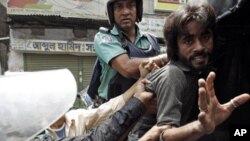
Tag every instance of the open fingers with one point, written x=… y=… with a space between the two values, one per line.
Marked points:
x=202 y=101
x=238 y=100
x=201 y=83
x=210 y=84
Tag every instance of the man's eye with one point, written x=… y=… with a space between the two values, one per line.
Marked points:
x=131 y=5
x=188 y=41
x=118 y=6
x=206 y=37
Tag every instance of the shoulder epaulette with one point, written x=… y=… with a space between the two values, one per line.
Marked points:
x=104 y=29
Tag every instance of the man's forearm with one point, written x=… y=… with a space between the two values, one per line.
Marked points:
x=119 y=122
x=117 y=125
x=188 y=132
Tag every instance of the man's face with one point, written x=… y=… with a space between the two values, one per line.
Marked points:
x=195 y=45
x=125 y=13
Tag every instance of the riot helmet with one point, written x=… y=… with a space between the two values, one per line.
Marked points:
x=110 y=11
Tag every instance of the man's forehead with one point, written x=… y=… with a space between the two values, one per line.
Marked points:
x=189 y=33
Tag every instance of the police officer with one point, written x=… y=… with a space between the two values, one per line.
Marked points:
x=121 y=49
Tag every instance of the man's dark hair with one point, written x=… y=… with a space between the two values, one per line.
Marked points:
x=176 y=24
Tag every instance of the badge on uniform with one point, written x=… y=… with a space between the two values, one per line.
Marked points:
x=106 y=39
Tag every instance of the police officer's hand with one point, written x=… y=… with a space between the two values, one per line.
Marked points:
x=147 y=67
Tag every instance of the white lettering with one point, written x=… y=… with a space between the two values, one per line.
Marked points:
x=240 y=132
x=243 y=131
x=237 y=132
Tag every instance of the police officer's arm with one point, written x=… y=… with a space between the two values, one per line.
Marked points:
x=212 y=113
x=128 y=67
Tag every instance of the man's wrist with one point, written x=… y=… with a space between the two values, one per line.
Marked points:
x=199 y=127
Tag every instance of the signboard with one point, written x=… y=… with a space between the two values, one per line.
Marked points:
x=53 y=46
x=23 y=40
x=65 y=8
x=167 y=5
x=153 y=25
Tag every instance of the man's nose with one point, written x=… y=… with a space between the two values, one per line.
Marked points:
x=198 y=45
x=125 y=9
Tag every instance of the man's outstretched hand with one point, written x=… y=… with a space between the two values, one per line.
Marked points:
x=212 y=113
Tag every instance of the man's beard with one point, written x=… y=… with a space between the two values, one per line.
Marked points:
x=188 y=61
